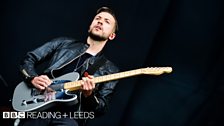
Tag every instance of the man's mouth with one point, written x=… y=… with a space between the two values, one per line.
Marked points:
x=98 y=28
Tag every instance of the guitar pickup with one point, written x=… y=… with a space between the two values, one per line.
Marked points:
x=35 y=92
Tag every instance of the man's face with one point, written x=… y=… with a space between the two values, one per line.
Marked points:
x=102 y=27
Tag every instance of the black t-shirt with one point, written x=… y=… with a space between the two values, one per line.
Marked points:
x=76 y=65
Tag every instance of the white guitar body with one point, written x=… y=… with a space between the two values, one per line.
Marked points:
x=26 y=98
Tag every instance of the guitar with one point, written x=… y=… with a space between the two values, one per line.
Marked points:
x=61 y=90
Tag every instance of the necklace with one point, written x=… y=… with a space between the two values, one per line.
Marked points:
x=82 y=60
x=77 y=64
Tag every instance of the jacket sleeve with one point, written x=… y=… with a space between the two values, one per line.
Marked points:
x=35 y=57
x=99 y=101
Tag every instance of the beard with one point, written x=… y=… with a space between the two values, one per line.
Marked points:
x=97 y=37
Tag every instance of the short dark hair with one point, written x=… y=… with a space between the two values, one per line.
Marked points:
x=108 y=10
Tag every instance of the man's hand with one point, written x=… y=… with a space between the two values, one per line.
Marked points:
x=41 y=82
x=88 y=85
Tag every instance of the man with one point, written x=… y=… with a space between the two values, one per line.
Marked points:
x=68 y=55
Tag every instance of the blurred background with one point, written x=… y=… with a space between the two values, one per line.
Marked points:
x=186 y=35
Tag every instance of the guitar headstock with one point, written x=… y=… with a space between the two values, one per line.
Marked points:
x=156 y=70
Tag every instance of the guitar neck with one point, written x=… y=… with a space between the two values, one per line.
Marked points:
x=117 y=76
x=151 y=71
x=77 y=84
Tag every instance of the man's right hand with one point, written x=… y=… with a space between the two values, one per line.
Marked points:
x=41 y=82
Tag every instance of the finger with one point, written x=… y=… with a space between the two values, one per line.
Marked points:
x=46 y=79
x=41 y=82
x=44 y=84
x=38 y=81
x=90 y=76
x=91 y=82
x=87 y=84
x=84 y=83
x=39 y=86
x=86 y=87
x=91 y=85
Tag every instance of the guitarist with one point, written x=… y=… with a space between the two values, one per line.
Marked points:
x=68 y=55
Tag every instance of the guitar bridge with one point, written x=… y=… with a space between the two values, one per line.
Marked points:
x=34 y=101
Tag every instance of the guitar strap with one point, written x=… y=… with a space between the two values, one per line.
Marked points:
x=96 y=65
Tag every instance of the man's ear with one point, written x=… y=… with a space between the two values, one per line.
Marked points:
x=112 y=36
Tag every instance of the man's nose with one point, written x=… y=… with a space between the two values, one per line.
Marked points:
x=100 y=22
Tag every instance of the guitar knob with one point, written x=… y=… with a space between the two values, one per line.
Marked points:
x=35 y=100
x=24 y=102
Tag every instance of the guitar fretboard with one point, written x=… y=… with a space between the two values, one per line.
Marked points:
x=117 y=76
x=77 y=84
x=152 y=71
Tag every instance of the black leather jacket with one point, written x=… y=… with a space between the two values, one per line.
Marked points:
x=62 y=51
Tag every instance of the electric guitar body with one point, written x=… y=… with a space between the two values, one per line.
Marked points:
x=27 y=98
